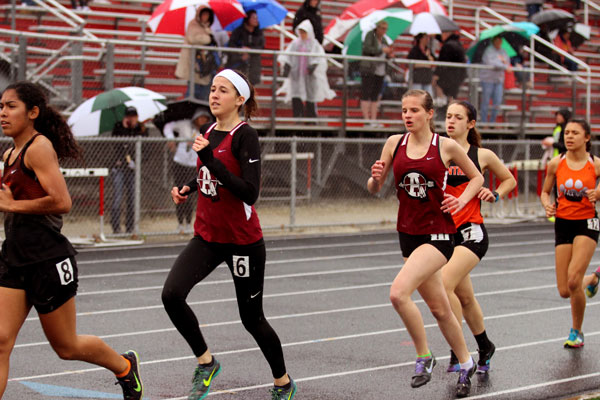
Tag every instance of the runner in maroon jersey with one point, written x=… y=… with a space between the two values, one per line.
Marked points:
x=37 y=266
x=226 y=230
x=471 y=240
x=420 y=159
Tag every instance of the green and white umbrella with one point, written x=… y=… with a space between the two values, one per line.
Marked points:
x=99 y=114
x=398 y=20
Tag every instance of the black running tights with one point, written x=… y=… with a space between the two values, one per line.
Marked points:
x=247 y=266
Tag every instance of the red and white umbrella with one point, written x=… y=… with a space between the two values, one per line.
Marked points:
x=173 y=16
x=351 y=15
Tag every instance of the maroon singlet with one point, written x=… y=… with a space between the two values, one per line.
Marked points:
x=222 y=217
x=420 y=186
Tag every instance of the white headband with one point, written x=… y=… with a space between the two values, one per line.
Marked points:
x=238 y=82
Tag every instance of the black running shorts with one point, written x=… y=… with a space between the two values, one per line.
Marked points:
x=565 y=230
x=474 y=237
x=444 y=242
x=47 y=285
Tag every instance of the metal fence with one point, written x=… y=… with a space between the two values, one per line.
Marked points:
x=306 y=183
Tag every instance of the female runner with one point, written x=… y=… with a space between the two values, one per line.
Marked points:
x=576 y=228
x=226 y=230
x=471 y=239
x=420 y=160
x=37 y=266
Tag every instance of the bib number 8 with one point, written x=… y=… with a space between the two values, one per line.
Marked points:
x=241 y=266
x=65 y=271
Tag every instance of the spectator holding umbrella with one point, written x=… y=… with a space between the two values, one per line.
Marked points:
x=448 y=79
x=563 y=42
x=492 y=80
x=422 y=73
x=247 y=36
x=310 y=11
x=198 y=33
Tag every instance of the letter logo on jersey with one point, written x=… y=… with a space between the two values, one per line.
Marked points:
x=416 y=185
x=573 y=190
x=207 y=185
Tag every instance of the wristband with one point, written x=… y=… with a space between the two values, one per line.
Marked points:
x=496 y=196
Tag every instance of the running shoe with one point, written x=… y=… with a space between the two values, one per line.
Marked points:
x=483 y=365
x=203 y=377
x=463 y=386
x=575 y=339
x=591 y=290
x=454 y=365
x=132 y=386
x=280 y=393
x=423 y=369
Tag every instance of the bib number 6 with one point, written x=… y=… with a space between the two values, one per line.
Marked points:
x=241 y=266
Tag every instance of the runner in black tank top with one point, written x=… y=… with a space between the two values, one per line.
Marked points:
x=227 y=230
x=37 y=267
x=471 y=240
x=419 y=165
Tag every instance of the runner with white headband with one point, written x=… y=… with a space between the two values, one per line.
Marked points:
x=227 y=230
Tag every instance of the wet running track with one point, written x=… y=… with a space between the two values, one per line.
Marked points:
x=327 y=298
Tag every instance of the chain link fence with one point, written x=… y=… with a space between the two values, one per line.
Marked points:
x=306 y=183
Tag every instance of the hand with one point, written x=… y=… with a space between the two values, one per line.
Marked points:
x=452 y=204
x=486 y=194
x=199 y=143
x=6 y=197
x=179 y=196
x=547 y=142
x=377 y=170
x=311 y=68
x=550 y=210
x=592 y=195
x=387 y=50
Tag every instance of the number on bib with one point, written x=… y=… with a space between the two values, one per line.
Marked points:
x=65 y=271
x=593 y=224
x=241 y=266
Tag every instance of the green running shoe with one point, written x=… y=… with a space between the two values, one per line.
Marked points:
x=203 y=377
x=133 y=388
x=280 y=393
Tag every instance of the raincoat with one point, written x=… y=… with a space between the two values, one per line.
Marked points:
x=198 y=34
x=300 y=84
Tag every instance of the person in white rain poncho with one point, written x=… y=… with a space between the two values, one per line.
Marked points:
x=306 y=82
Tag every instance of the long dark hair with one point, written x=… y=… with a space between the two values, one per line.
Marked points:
x=473 y=136
x=586 y=129
x=426 y=103
x=251 y=106
x=49 y=122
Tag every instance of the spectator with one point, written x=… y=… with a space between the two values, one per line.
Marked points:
x=373 y=72
x=310 y=11
x=422 y=73
x=123 y=170
x=247 y=36
x=556 y=142
x=306 y=82
x=184 y=160
x=533 y=7
x=492 y=80
x=518 y=62
x=198 y=33
x=82 y=5
x=448 y=79
x=542 y=48
x=563 y=42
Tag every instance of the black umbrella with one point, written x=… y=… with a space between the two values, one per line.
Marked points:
x=178 y=110
x=553 y=18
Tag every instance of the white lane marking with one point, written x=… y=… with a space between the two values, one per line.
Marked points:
x=320 y=312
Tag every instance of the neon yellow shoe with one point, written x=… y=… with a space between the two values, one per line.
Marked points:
x=575 y=339
x=203 y=377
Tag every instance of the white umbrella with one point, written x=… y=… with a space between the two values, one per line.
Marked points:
x=432 y=24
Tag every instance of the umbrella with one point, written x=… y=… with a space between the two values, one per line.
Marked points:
x=553 y=18
x=269 y=12
x=352 y=14
x=419 y=6
x=173 y=16
x=100 y=113
x=398 y=20
x=513 y=36
x=178 y=110
x=431 y=24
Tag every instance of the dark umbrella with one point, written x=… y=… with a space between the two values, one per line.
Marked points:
x=553 y=18
x=183 y=109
